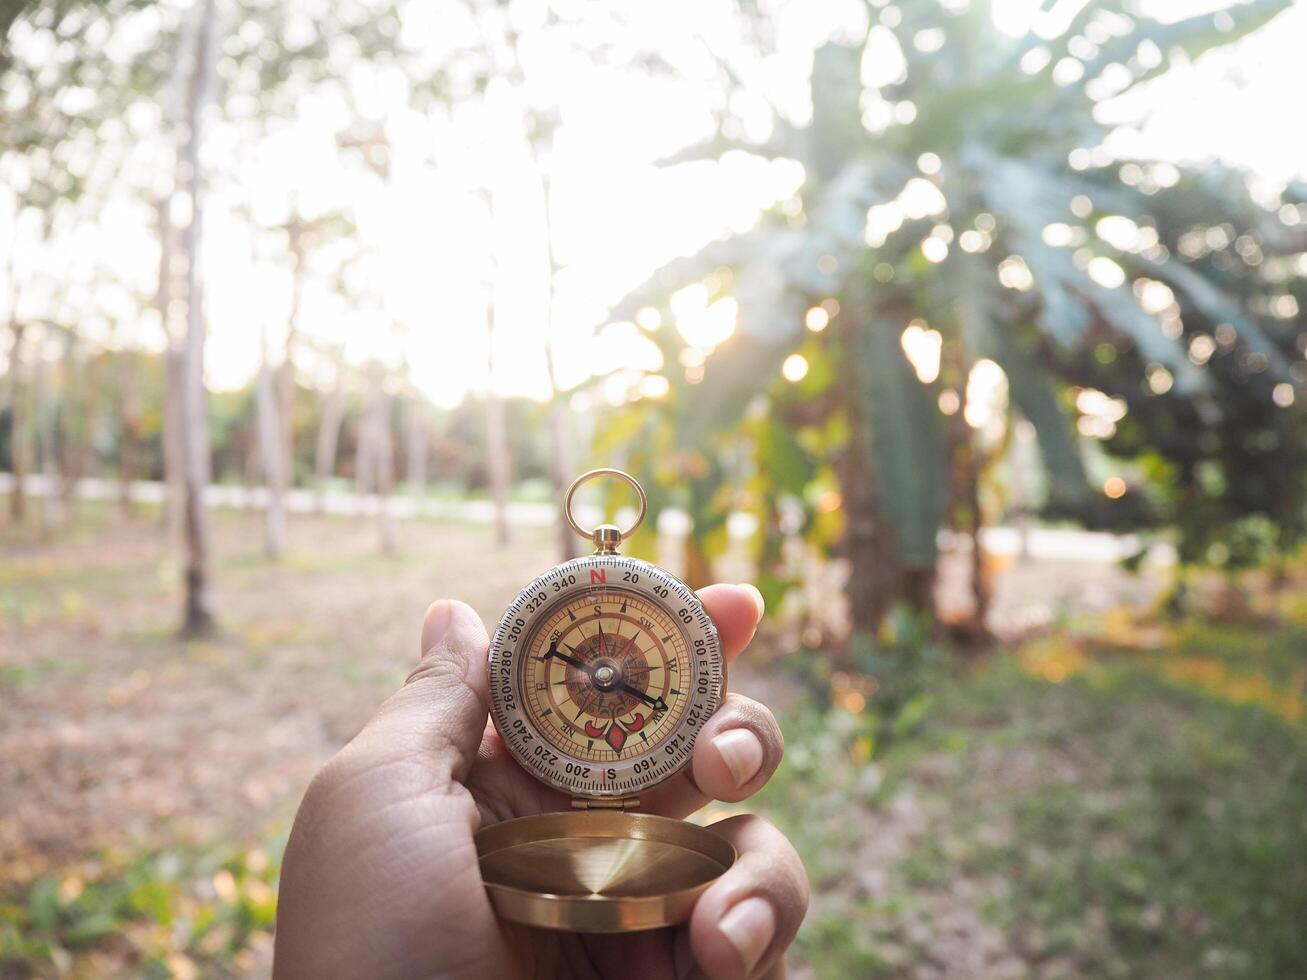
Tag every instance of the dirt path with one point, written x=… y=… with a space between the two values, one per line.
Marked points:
x=112 y=731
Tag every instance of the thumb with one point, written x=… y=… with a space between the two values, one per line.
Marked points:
x=440 y=712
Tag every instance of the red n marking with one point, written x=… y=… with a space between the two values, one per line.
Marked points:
x=598 y=575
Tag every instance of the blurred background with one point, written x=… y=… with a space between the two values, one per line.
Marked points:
x=970 y=330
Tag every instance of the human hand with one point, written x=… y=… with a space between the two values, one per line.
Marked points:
x=380 y=877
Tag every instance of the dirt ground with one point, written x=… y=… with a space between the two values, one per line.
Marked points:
x=118 y=738
x=113 y=732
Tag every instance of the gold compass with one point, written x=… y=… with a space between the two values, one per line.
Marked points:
x=602 y=672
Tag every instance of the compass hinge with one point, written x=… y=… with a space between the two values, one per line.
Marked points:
x=594 y=803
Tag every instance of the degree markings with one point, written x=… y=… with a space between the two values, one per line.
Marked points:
x=561 y=593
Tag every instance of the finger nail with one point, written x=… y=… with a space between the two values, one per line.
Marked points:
x=749 y=926
x=436 y=624
x=757 y=597
x=742 y=753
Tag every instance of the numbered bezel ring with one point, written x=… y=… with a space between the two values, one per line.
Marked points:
x=691 y=639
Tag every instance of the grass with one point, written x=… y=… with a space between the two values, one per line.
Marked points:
x=1132 y=819
x=1114 y=799
x=1118 y=823
x=183 y=912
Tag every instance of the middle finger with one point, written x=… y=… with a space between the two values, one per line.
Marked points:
x=735 y=753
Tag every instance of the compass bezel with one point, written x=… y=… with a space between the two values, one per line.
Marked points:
x=563 y=584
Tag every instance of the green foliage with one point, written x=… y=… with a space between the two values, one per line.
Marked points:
x=1228 y=469
x=782 y=456
x=1187 y=841
x=1036 y=396
x=906 y=665
x=203 y=905
x=1013 y=153
x=907 y=441
x=1141 y=818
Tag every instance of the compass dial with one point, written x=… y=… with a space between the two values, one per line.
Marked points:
x=602 y=672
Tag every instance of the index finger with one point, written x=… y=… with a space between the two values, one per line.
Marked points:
x=737 y=611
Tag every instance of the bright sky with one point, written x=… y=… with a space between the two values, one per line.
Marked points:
x=431 y=244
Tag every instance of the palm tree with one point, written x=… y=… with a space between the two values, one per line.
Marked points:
x=967 y=194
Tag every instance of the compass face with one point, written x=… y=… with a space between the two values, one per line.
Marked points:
x=602 y=672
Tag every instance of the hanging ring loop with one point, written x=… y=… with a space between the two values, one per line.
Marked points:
x=603 y=534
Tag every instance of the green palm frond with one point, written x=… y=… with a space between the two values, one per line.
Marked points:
x=1189 y=37
x=909 y=458
x=1002 y=134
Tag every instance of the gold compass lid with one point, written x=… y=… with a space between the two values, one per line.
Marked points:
x=599 y=870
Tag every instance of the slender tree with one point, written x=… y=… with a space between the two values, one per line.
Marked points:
x=303 y=236
x=18 y=439
x=498 y=459
x=296 y=232
x=385 y=463
x=376 y=454
x=198 y=615
x=417 y=427
x=561 y=465
x=331 y=415
x=45 y=395
x=502 y=42
x=78 y=417
x=130 y=423
x=168 y=287
x=272 y=457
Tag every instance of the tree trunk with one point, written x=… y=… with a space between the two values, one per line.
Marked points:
x=419 y=433
x=47 y=419
x=698 y=568
x=498 y=460
x=272 y=460
x=965 y=516
x=869 y=541
x=196 y=464
x=980 y=585
x=286 y=372
x=18 y=461
x=174 y=380
x=129 y=433
x=564 y=472
x=365 y=453
x=560 y=455
x=560 y=444
x=78 y=447
x=560 y=441
x=276 y=397
x=497 y=449
x=251 y=468
x=324 y=454
x=174 y=448
x=384 y=461
x=282 y=405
